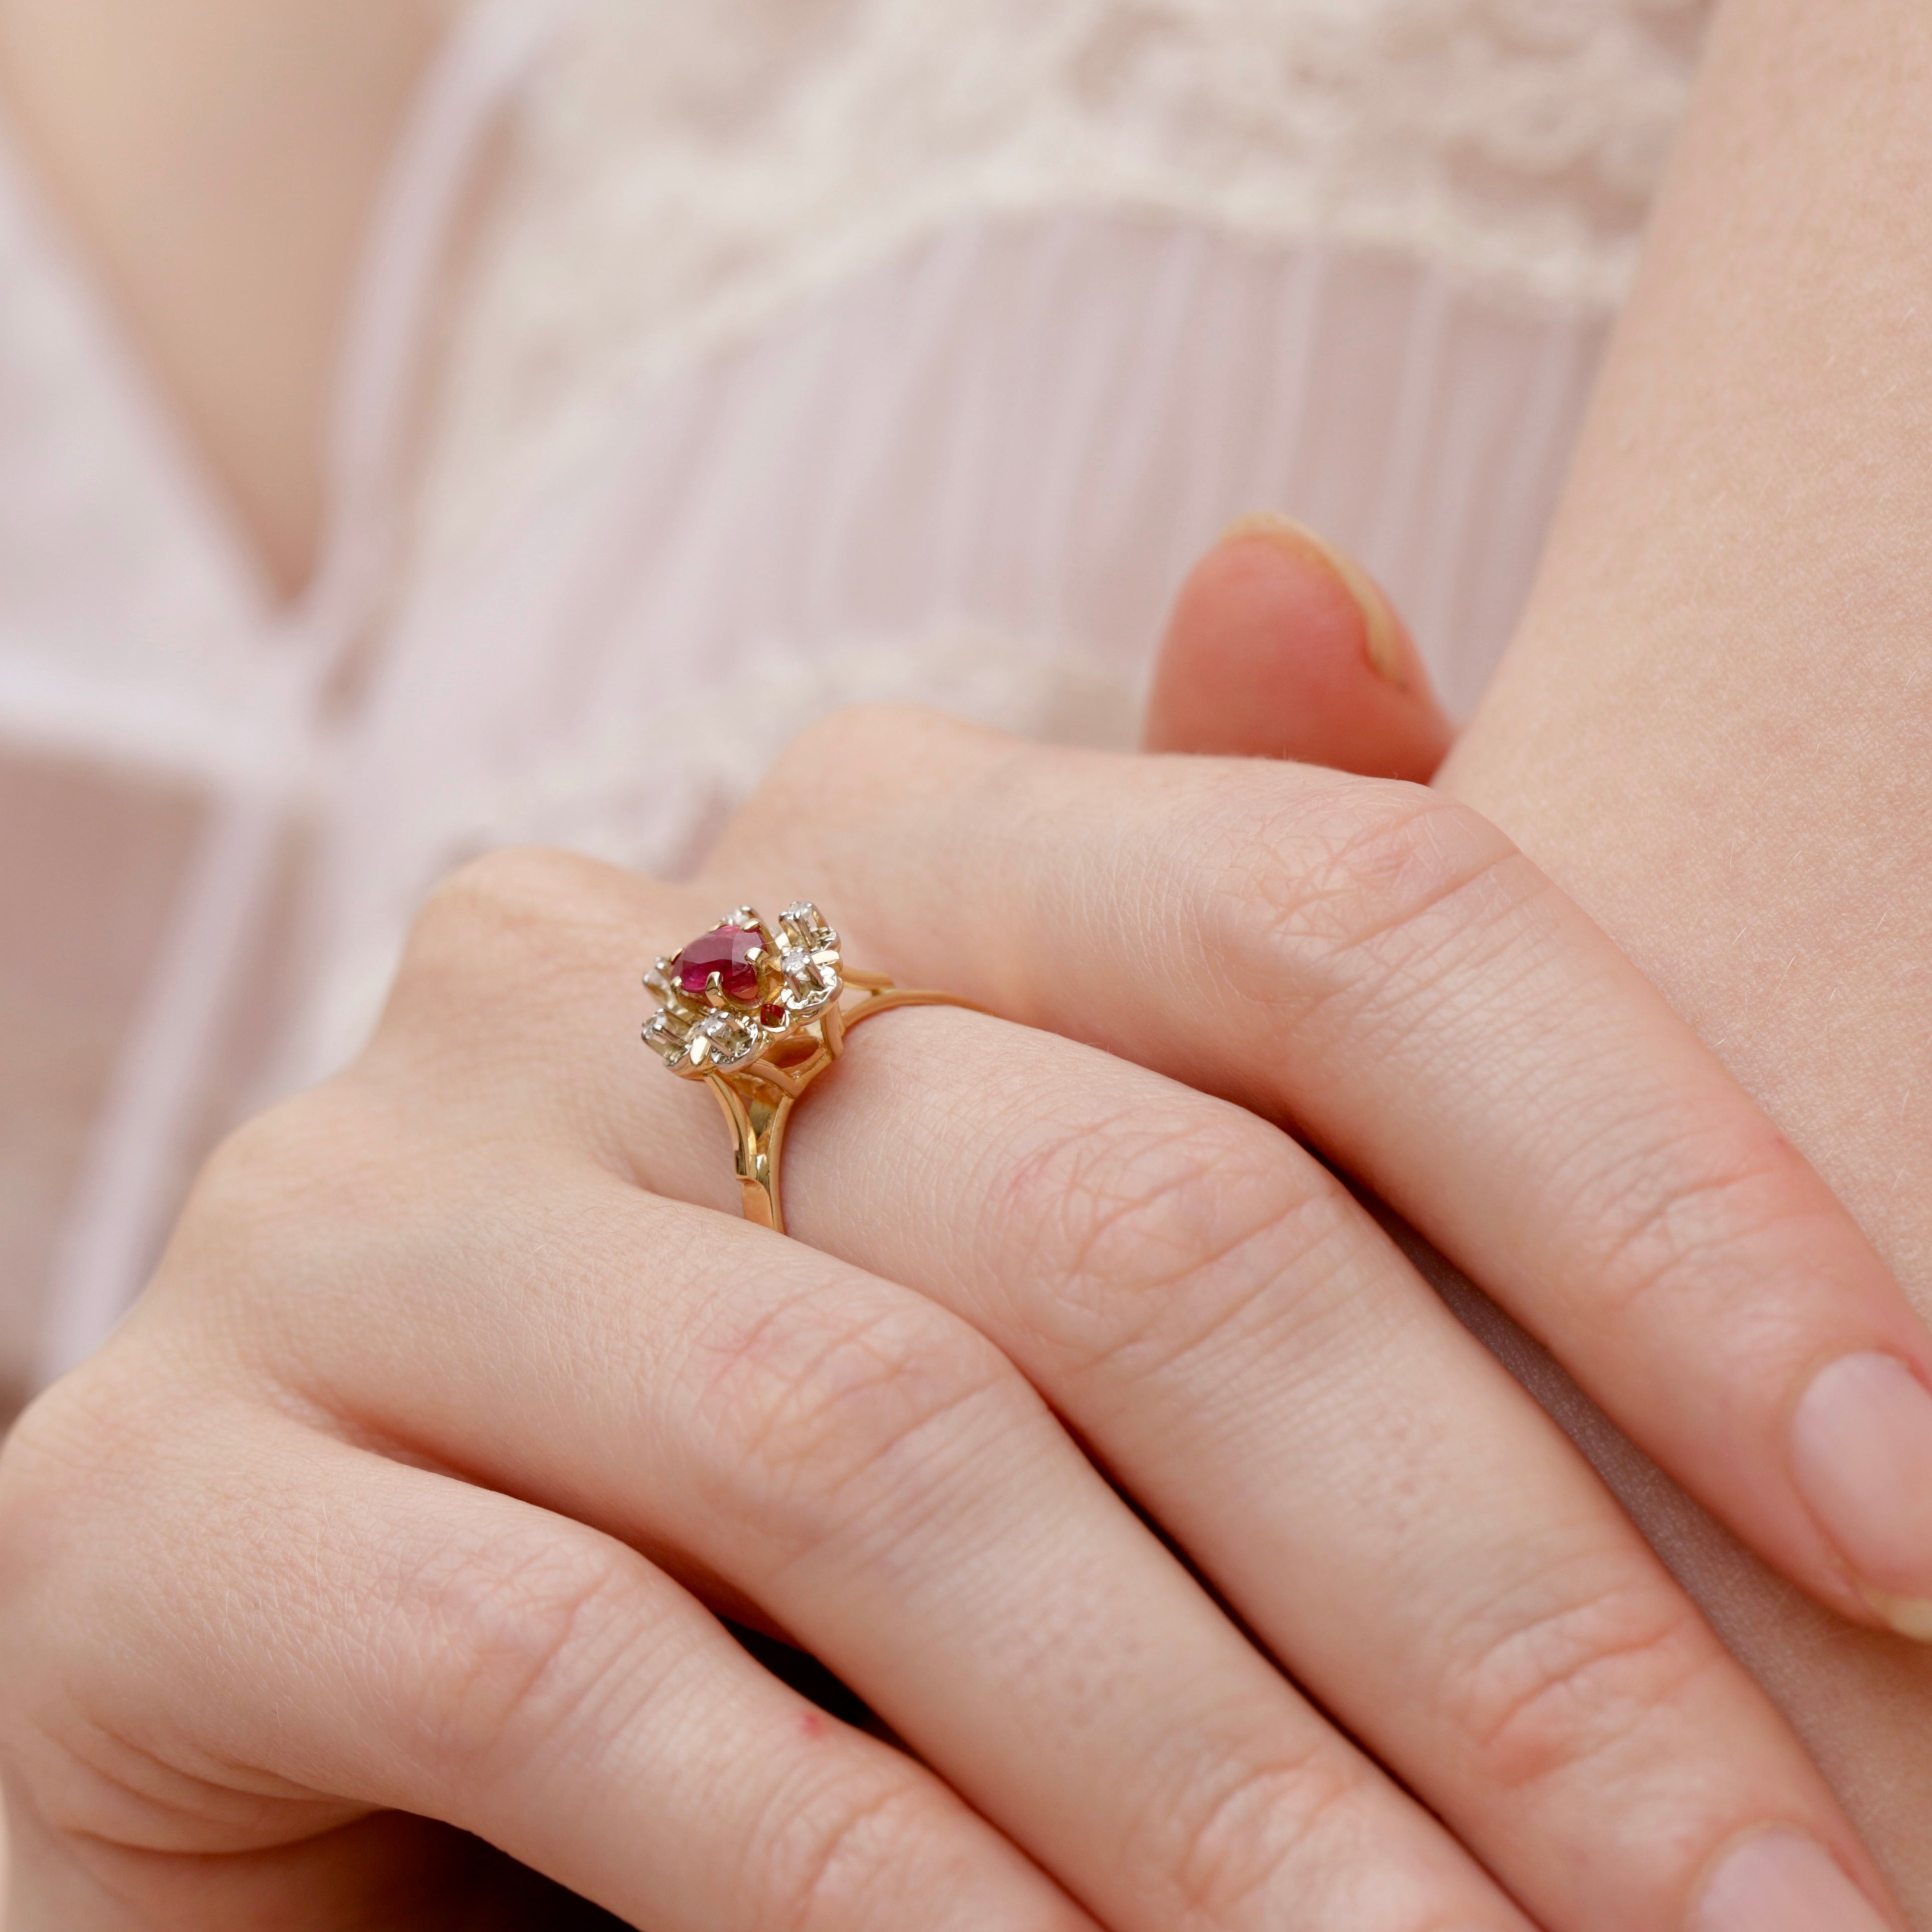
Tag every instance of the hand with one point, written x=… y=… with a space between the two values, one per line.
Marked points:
x=350 y=1515
x=1380 y=966
x=459 y=1385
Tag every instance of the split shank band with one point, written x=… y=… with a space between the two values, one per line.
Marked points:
x=758 y=1013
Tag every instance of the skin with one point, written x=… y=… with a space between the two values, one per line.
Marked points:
x=263 y=1582
x=372 y=1848
x=219 y=159
x=1712 y=726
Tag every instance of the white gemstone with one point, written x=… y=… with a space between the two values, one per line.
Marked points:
x=661 y=1037
x=730 y=1041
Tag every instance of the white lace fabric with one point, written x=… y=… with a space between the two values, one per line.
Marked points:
x=684 y=174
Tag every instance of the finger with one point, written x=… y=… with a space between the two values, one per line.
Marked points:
x=1280 y=647
x=870 y=1471
x=1385 y=970
x=1551 y=1690
x=1250 y=1356
x=390 y=1639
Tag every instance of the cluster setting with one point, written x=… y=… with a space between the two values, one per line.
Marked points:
x=735 y=991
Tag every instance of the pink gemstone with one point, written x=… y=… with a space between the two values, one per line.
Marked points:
x=727 y=952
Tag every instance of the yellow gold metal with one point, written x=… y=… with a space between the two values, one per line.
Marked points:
x=758 y=1100
x=758 y=1012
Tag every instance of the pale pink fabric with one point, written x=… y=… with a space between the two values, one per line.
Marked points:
x=145 y=677
x=962 y=454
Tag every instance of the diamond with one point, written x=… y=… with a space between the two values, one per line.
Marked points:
x=729 y=1042
x=661 y=1037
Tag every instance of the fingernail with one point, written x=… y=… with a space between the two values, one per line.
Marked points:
x=1862 y=1456
x=1782 y=1882
x=1382 y=634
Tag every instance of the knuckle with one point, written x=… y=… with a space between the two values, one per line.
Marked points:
x=513 y=887
x=1333 y=893
x=853 y=766
x=852 y=738
x=508 y=1639
x=861 y=736
x=263 y=1166
x=1154 y=1235
x=849 y=1847
x=90 y=1464
x=86 y=1424
x=827 y=740
x=824 y=1853
x=46 y=1463
x=833 y=1415
x=1546 y=1683
x=512 y=920
x=1228 y=1838
x=285 y=1189
x=1688 y=1212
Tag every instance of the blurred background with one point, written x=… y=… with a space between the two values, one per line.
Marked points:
x=426 y=426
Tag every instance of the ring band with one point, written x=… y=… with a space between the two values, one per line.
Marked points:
x=759 y=1014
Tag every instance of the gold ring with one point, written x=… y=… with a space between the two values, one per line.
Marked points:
x=758 y=1016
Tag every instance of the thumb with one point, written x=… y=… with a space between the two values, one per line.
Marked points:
x=1280 y=647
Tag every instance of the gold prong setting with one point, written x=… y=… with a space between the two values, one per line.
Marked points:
x=736 y=991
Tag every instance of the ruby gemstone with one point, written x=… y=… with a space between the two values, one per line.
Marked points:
x=727 y=952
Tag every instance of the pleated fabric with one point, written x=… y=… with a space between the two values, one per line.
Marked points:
x=975 y=476
x=971 y=471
